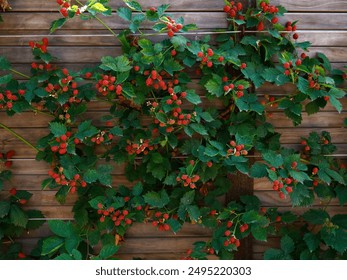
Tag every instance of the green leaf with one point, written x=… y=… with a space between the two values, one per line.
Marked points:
x=137 y=189
x=312 y=241
x=258 y=170
x=251 y=202
x=171 y=66
x=274 y=254
x=5 y=79
x=337 y=239
x=250 y=217
x=274 y=159
x=193 y=212
x=174 y=225
x=98 y=7
x=336 y=104
x=316 y=217
x=117 y=131
x=95 y=201
x=90 y=176
x=36 y=219
x=214 y=86
x=108 y=251
x=85 y=129
x=325 y=61
x=117 y=64
x=287 y=244
x=188 y=198
x=199 y=128
x=340 y=220
x=4 y=208
x=336 y=176
x=57 y=24
x=104 y=174
x=259 y=233
x=124 y=13
x=155 y=199
x=133 y=5
x=51 y=245
x=341 y=192
x=18 y=217
x=57 y=129
x=61 y=228
x=4 y=63
x=192 y=97
x=303 y=85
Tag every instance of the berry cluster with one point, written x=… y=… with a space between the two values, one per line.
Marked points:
x=236 y=149
x=283 y=183
x=61 y=180
x=42 y=45
x=155 y=79
x=119 y=217
x=289 y=67
x=7 y=98
x=5 y=159
x=66 y=8
x=160 y=221
x=231 y=240
x=234 y=9
x=188 y=180
x=172 y=26
x=102 y=137
x=207 y=57
x=267 y=9
x=13 y=193
x=38 y=67
x=107 y=85
x=176 y=116
x=66 y=85
x=143 y=146
x=291 y=27
x=61 y=143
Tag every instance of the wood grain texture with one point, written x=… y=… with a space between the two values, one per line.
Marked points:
x=317 y=5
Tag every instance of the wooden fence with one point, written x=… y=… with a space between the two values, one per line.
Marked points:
x=79 y=43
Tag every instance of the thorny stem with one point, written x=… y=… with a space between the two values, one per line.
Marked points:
x=19 y=137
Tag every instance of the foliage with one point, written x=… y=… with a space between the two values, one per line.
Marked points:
x=176 y=152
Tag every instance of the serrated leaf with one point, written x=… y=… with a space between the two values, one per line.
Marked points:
x=57 y=129
x=274 y=159
x=155 y=199
x=4 y=208
x=108 y=251
x=124 y=13
x=98 y=7
x=171 y=66
x=316 y=217
x=273 y=254
x=18 y=217
x=337 y=239
x=259 y=233
x=5 y=79
x=133 y=5
x=287 y=244
x=193 y=212
x=61 y=228
x=340 y=220
x=341 y=193
x=51 y=245
x=4 y=63
x=312 y=241
x=214 y=86
x=188 y=198
x=258 y=170
x=199 y=128
x=137 y=189
x=117 y=131
x=192 y=97
x=90 y=176
x=57 y=24
x=175 y=225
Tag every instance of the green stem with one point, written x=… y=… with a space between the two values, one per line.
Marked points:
x=19 y=137
x=106 y=26
x=19 y=73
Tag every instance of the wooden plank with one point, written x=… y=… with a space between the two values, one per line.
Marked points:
x=137 y=229
x=82 y=54
x=278 y=119
x=32 y=182
x=42 y=21
x=270 y=198
x=175 y=5
x=312 y=6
